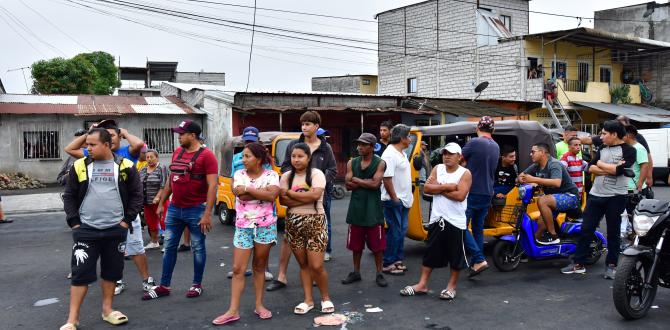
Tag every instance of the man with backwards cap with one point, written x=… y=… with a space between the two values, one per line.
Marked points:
x=193 y=184
x=134 y=243
x=449 y=183
x=365 y=215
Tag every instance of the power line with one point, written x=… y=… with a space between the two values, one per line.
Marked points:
x=22 y=36
x=213 y=20
x=251 y=48
x=53 y=25
x=27 y=29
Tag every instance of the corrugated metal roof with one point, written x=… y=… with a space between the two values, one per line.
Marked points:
x=91 y=104
x=38 y=99
x=166 y=109
x=589 y=37
x=188 y=87
x=641 y=113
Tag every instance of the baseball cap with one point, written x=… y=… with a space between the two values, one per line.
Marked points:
x=367 y=138
x=108 y=123
x=250 y=133
x=144 y=148
x=188 y=126
x=321 y=132
x=452 y=148
x=486 y=123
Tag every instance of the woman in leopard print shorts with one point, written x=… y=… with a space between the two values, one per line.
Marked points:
x=306 y=231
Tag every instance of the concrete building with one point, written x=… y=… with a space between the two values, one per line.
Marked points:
x=146 y=81
x=36 y=128
x=444 y=48
x=649 y=20
x=363 y=84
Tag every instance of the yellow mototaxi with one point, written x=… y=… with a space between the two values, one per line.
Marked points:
x=225 y=199
x=519 y=134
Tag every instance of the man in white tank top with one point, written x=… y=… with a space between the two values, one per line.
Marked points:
x=449 y=183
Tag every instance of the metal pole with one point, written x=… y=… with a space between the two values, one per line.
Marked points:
x=362 y=127
x=281 y=121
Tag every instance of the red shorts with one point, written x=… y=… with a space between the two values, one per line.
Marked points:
x=358 y=236
x=152 y=219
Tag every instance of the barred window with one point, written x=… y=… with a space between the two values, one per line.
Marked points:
x=160 y=139
x=41 y=145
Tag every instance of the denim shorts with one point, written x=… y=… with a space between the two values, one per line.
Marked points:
x=246 y=237
x=134 y=242
x=565 y=202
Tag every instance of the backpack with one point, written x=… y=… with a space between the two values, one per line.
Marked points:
x=181 y=169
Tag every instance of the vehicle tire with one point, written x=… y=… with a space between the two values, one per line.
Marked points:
x=596 y=252
x=225 y=215
x=503 y=258
x=631 y=298
x=338 y=192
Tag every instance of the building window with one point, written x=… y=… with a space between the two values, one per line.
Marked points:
x=41 y=145
x=606 y=74
x=507 y=21
x=411 y=85
x=366 y=82
x=160 y=139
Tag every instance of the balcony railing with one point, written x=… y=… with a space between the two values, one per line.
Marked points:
x=576 y=86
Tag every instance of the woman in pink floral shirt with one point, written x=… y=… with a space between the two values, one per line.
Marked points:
x=256 y=189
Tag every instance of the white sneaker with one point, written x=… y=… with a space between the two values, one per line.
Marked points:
x=268 y=276
x=152 y=245
x=326 y=257
x=120 y=286
x=149 y=284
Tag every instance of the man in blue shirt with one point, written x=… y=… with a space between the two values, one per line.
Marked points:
x=481 y=154
x=134 y=242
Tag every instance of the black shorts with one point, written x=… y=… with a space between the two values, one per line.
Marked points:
x=445 y=246
x=90 y=244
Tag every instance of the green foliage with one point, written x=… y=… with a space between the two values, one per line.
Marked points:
x=86 y=73
x=620 y=94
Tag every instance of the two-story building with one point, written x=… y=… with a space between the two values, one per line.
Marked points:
x=444 y=48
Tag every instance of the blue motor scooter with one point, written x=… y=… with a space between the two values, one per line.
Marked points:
x=509 y=249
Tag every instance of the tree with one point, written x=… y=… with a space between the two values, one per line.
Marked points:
x=86 y=73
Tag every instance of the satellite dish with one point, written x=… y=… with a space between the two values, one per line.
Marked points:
x=481 y=87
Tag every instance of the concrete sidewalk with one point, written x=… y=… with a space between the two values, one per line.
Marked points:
x=32 y=203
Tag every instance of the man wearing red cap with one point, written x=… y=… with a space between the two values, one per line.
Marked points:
x=193 y=184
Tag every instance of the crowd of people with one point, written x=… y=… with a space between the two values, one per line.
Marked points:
x=177 y=200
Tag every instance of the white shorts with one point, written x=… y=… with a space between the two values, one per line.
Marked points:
x=134 y=242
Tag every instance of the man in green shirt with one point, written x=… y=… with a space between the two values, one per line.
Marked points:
x=365 y=216
x=562 y=146
x=640 y=166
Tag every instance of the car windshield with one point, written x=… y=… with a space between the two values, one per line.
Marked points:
x=280 y=151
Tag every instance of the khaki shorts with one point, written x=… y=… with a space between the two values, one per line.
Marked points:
x=307 y=232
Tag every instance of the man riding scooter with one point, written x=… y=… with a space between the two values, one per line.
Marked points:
x=561 y=194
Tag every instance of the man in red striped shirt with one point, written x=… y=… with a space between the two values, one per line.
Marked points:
x=574 y=163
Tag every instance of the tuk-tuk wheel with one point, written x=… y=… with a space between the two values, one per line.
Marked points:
x=225 y=214
x=338 y=191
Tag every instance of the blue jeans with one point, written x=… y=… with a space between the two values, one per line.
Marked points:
x=176 y=220
x=327 y=200
x=396 y=215
x=596 y=207
x=478 y=208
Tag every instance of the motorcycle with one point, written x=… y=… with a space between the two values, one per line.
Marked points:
x=645 y=265
x=509 y=249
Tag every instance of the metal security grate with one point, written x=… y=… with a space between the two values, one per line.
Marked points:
x=40 y=140
x=161 y=139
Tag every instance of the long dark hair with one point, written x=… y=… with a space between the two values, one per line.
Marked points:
x=259 y=151
x=308 y=174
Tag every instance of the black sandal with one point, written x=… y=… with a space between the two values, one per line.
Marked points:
x=275 y=285
x=7 y=221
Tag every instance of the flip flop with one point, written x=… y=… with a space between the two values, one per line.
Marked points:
x=223 y=319
x=474 y=272
x=447 y=294
x=7 y=221
x=400 y=265
x=302 y=308
x=327 y=307
x=275 y=285
x=69 y=326
x=393 y=270
x=409 y=291
x=115 y=318
x=264 y=315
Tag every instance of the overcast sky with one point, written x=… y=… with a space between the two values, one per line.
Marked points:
x=64 y=29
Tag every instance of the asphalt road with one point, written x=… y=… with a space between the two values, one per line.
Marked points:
x=35 y=254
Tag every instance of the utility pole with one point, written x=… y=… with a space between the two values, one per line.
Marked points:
x=25 y=81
